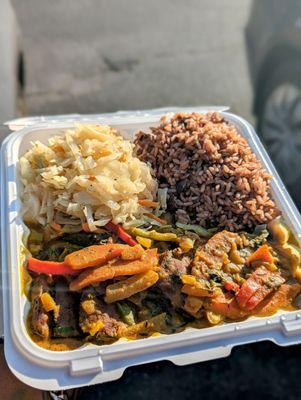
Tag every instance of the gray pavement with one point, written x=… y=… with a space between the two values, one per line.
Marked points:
x=98 y=55
x=8 y=61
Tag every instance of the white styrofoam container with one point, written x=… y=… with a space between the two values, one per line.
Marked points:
x=92 y=364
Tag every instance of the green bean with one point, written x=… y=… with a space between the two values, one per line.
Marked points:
x=126 y=313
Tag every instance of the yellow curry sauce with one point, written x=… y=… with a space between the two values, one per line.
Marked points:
x=148 y=321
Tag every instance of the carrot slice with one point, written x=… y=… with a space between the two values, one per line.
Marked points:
x=155 y=218
x=263 y=254
x=94 y=255
x=122 y=268
x=89 y=277
x=148 y=203
x=132 y=252
x=117 y=268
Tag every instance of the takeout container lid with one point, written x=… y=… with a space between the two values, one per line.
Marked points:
x=115 y=117
x=92 y=364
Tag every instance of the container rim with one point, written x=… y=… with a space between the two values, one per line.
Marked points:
x=284 y=327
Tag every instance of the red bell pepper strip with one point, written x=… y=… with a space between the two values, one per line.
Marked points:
x=49 y=267
x=255 y=289
x=263 y=254
x=226 y=304
x=231 y=286
x=121 y=233
x=251 y=285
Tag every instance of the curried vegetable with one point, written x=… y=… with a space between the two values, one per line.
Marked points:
x=93 y=327
x=154 y=235
x=93 y=255
x=231 y=286
x=126 y=313
x=197 y=290
x=279 y=231
x=147 y=243
x=115 y=290
x=193 y=305
x=65 y=320
x=257 y=287
x=294 y=258
x=124 y=289
x=195 y=228
x=155 y=218
x=35 y=236
x=226 y=305
x=48 y=302
x=115 y=269
x=148 y=203
x=262 y=254
x=145 y=328
x=49 y=267
x=213 y=318
x=121 y=233
x=132 y=253
x=186 y=244
x=279 y=299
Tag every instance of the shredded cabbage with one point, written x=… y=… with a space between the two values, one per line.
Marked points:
x=88 y=175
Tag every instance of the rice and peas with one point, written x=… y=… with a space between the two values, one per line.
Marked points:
x=212 y=175
x=166 y=191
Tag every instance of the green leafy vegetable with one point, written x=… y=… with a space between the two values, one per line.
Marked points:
x=256 y=240
x=64 y=331
x=56 y=250
x=195 y=228
x=86 y=239
x=126 y=313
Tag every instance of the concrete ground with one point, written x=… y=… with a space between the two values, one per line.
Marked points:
x=8 y=64
x=94 y=55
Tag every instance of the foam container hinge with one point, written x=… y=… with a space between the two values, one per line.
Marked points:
x=92 y=364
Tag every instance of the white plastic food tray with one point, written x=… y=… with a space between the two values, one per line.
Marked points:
x=92 y=364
